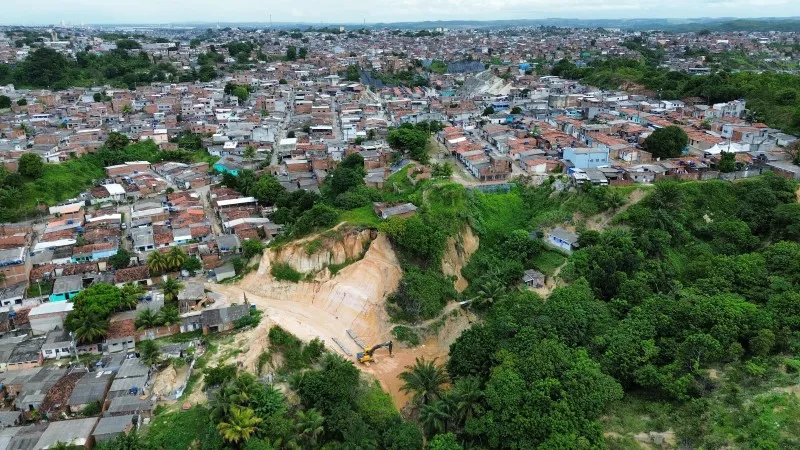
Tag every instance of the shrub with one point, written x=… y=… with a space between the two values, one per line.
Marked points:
x=285 y=272
x=405 y=334
x=421 y=295
x=251 y=320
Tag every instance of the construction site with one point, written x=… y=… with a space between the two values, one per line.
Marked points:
x=347 y=311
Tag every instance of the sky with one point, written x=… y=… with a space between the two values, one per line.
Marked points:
x=354 y=11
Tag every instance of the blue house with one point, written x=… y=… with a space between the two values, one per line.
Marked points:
x=562 y=239
x=222 y=168
x=66 y=288
x=586 y=158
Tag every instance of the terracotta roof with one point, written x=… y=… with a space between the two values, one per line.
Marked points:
x=121 y=328
x=80 y=268
x=131 y=274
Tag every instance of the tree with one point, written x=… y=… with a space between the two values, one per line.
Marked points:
x=87 y=325
x=157 y=262
x=488 y=111
x=268 y=190
x=116 y=141
x=352 y=74
x=302 y=53
x=516 y=110
x=424 y=380
x=129 y=295
x=146 y=318
x=308 y=425
x=240 y=425
x=241 y=93
x=249 y=152
x=171 y=287
x=727 y=162
x=97 y=97
x=22 y=102
x=193 y=265
x=444 y=442
x=436 y=416
x=490 y=291
x=169 y=315
x=291 y=53
x=30 y=165
x=5 y=102
x=175 y=258
x=667 y=142
x=149 y=352
x=121 y=259
x=251 y=248
x=127 y=109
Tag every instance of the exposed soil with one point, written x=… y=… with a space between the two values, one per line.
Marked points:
x=326 y=308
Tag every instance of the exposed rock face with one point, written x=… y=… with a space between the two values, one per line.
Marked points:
x=349 y=245
x=457 y=254
x=356 y=296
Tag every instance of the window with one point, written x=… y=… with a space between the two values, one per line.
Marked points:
x=64 y=350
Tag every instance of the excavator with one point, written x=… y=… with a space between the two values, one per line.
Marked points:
x=366 y=355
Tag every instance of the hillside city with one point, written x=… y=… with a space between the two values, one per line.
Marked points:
x=192 y=215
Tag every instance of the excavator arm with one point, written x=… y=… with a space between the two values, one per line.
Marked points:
x=366 y=355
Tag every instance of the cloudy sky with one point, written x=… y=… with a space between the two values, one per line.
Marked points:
x=352 y=11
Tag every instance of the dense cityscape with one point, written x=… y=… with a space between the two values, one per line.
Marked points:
x=379 y=237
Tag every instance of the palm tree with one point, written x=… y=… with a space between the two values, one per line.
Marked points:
x=149 y=352
x=169 y=315
x=221 y=404
x=239 y=389
x=424 y=379
x=127 y=110
x=490 y=291
x=240 y=425
x=309 y=427
x=171 y=287
x=130 y=295
x=614 y=200
x=157 y=262
x=88 y=327
x=146 y=319
x=176 y=258
x=436 y=416
x=468 y=395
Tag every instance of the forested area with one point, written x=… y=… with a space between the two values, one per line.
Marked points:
x=771 y=96
x=49 y=69
x=689 y=307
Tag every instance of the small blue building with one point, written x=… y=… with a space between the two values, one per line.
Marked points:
x=562 y=239
x=586 y=158
x=66 y=288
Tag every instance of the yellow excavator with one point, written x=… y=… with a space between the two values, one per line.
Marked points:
x=366 y=355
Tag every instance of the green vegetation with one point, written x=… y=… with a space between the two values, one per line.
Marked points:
x=363 y=216
x=285 y=272
x=667 y=142
x=548 y=261
x=46 y=68
x=406 y=334
x=331 y=407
